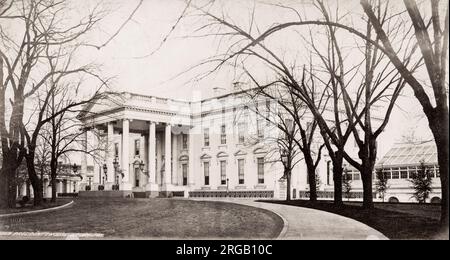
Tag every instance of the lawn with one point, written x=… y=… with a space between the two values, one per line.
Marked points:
x=153 y=218
x=396 y=221
x=30 y=207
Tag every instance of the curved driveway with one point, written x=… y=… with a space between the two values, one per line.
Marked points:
x=311 y=224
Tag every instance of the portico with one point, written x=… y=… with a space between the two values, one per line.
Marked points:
x=139 y=150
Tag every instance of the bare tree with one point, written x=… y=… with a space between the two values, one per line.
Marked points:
x=282 y=143
x=40 y=48
x=376 y=95
x=63 y=133
x=431 y=35
x=381 y=82
x=302 y=85
x=29 y=62
x=301 y=130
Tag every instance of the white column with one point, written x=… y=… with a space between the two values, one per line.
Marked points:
x=31 y=192
x=69 y=186
x=110 y=153
x=48 y=187
x=175 y=160
x=84 y=158
x=60 y=187
x=168 y=155
x=191 y=176
x=126 y=155
x=151 y=167
x=24 y=189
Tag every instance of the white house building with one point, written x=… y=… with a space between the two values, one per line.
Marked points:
x=207 y=142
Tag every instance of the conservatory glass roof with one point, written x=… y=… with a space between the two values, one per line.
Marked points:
x=410 y=154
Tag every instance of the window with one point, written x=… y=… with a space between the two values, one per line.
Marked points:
x=259 y=128
x=404 y=173
x=260 y=170
x=185 y=174
x=387 y=173
x=289 y=127
x=348 y=176
x=206 y=137
x=356 y=176
x=185 y=141
x=268 y=111
x=137 y=147
x=206 y=172
x=241 y=171
x=395 y=173
x=223 y=172
x=116 y=150
x=223 y=134
x=328 y=172
x=241 y=132
x=412 y=171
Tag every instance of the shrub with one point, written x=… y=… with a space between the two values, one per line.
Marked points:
x=347 y=185
x=382 y=183
x=421 y=183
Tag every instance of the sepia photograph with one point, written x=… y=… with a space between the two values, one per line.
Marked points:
x=236 y=122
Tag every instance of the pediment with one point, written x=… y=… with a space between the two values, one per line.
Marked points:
x=184 y=158
x=222 y=155
x=240 y=153
x=108 y=102
x=260 y=150
x=205 y=157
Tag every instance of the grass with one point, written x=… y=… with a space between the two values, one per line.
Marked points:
x=153 y=218
x=395 y=221
x=30 y=207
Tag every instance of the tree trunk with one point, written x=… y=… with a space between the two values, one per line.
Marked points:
x=367 y=182
x=440 y=130
x=4 y=189
x=312 y=185
x=8 y=190
x=337 y=179
x=288 y=188
x=54 y=195
x=36 y=183
x=12 y=190
x=311 y=177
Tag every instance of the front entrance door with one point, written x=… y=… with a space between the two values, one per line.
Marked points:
x=137 y=175
x=185 y=174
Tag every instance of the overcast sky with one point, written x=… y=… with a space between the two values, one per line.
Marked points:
x=127 y=57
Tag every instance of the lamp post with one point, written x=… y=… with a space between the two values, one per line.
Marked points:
x=105 y=171
x=75 y=170
x=287 y=175
x=116 y=168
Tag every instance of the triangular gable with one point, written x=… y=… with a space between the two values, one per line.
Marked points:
x=108 y=102
x=240 y=153
x=259 y=150
x=205 y=157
